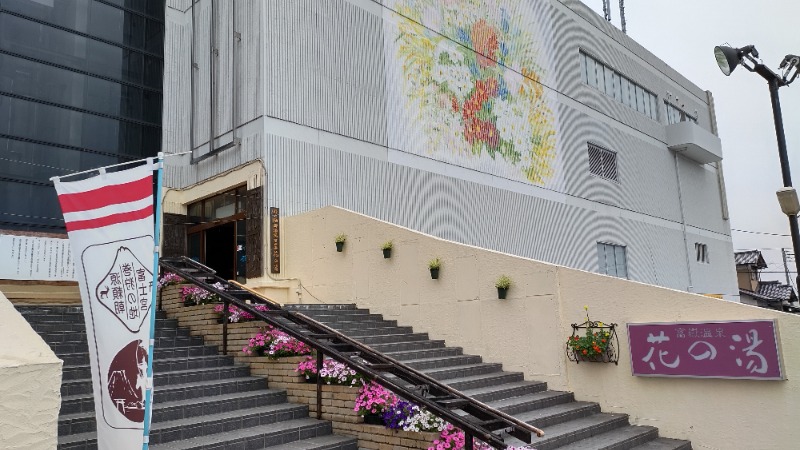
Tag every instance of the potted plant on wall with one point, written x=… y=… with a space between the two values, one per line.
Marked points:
x=593 y=342
x=340 y=238
x=387 y=249
x=434 y=265
x=502 y=284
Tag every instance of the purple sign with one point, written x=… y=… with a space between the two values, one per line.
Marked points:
x=741 y=349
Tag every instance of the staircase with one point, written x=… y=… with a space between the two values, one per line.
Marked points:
x=202 y=399
x=568 y=424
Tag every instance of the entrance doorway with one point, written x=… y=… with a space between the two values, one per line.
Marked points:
x=221 y=250
x=218 y=240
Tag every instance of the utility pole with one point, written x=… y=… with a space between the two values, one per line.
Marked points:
x=785 y=266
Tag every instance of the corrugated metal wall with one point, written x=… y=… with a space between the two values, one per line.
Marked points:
x=324 y=68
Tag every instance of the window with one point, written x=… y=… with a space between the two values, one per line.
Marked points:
x=617 y=86
x=612 y=260
x=675 y=114
x=602 y=162
x=220 y=206
x=701 y=250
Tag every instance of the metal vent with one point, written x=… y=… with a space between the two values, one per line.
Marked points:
x=603 y=162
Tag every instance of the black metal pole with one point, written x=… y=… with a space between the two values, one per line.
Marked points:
x=319 y=383
x=225 y=313
x=774 y=84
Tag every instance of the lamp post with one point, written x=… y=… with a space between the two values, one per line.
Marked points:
x=728 y=59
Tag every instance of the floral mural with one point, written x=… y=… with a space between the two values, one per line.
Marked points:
x=471 y=81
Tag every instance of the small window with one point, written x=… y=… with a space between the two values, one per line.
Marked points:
x=603 y=162
x=702 y=252
x=612 y=260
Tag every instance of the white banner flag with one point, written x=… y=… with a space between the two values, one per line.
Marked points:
x=109 y=220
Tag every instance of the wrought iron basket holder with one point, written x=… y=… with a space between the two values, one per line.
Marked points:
x=609 y=355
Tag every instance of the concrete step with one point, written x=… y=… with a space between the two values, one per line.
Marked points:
x=504 y=391
x=53 y=337
x=324 y=307
x=77 y=403
x=329 y=442
x=389 y=338
x=331 y=317
x=447 y=373
x=408 y=355
x=559 y=435
x=665 y=444
x=360 y=323
x=485 y=380
x=83 y=422
x=523 y=403
x=344 y=308
x=446 y=361
x=80 y=326
x=559 y=413
x=624 y=438
x=405 y=346
x=179 y=341
x=77 y=359
x=280 y=433
x=84 y=386
x=381 y=331
x=159 y=365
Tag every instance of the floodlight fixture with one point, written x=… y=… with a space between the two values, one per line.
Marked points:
x=728 y=58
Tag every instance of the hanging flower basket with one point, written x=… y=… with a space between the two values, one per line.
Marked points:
x=593 y=342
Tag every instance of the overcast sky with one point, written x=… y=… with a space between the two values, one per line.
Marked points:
x=683 y=33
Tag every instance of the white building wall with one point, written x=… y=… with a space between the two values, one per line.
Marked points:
x=314 y=101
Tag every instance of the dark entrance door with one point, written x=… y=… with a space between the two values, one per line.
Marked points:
x=221 y=249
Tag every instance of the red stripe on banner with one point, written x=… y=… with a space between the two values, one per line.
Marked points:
x=113 y=194
x=110 y=220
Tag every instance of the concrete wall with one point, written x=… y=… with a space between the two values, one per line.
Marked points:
x=527 y=332
x=30 y=385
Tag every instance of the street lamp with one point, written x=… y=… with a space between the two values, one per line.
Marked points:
x=728 y=59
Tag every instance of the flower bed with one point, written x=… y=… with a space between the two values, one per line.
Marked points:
x=374 y=399
x=194 y=295
x=333 y=372
x=169 y=279
x=236 y=314
x=275 y=344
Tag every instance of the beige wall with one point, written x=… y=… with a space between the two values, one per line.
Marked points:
x=527 y=332
x=30 y=385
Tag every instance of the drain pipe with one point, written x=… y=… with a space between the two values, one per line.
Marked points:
x=237 y=39
x=690 y=288
x=211 y=54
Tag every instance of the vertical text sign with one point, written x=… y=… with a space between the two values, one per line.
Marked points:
x=275 y=240
x=740 y=349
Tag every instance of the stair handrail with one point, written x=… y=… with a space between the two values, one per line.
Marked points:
x=484 y=413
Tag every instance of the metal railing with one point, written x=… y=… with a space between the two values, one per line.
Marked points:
x=479 y=420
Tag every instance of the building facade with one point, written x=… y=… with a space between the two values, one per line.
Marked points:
x=533 y=128
x=80 y=88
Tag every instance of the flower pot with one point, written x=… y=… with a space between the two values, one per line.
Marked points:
x=601 y=358
x=339 y=246
x=387 y=253
x=435 y=273
x=501 y=293
x=373 y=419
